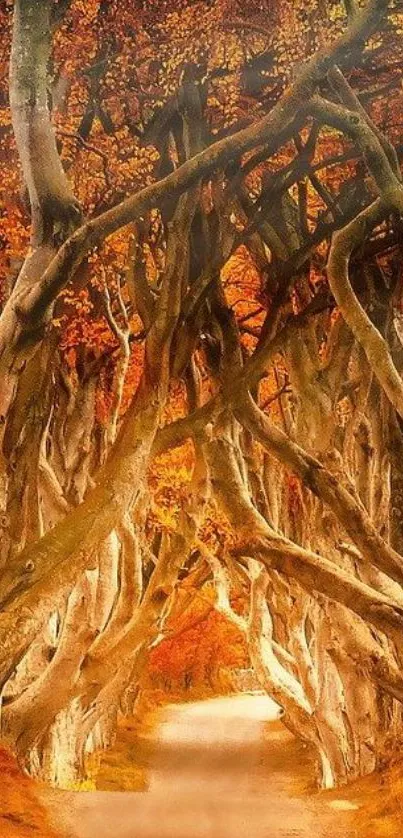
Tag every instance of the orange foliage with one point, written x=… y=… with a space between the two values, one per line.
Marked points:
x=202 y=644
x=21 y=814
x=115 y=66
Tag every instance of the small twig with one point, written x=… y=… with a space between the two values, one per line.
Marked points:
x=123 y=338
x=283 y=389
x=326 y=196
x=89 y=147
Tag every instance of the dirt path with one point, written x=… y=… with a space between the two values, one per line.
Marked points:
x=224 y=768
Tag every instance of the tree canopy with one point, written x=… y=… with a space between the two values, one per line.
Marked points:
x=201 y=396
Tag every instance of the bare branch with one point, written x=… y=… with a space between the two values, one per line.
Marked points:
x=344 y=242
x=36 y=302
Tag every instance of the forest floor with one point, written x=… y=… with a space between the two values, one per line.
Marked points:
x=22 y=814
x=223 y=768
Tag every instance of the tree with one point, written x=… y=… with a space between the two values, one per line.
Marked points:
x=212 y=281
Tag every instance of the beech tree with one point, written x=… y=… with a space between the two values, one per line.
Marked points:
x=200 y=277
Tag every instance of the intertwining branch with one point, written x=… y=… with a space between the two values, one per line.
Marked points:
x=302 y=474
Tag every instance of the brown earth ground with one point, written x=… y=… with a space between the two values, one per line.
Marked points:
x=22 y=814
x=223 y=768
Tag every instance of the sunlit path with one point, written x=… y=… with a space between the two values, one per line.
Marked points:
x=216 y=769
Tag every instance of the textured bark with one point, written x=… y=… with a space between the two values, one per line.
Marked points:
x=272 y=131
x=373 y=343
x=82 y=602
x=340 y=499
x=53 y=207
x=54 y=210
x=31 y=714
